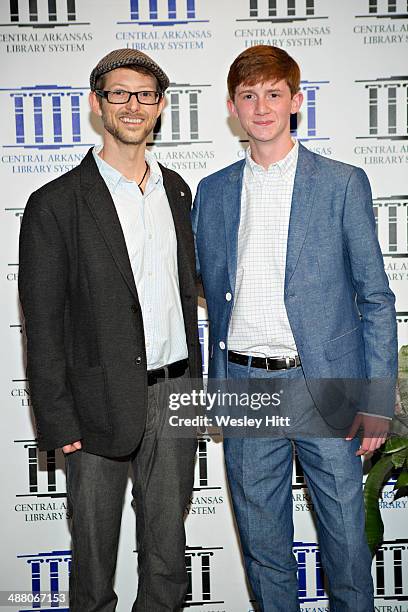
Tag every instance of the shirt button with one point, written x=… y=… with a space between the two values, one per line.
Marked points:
x=138 y=360
x=222 y=345
x=228 y=296
x=134 y=308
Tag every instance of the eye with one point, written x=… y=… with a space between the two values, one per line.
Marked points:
x=148 y=95
x=118 y=93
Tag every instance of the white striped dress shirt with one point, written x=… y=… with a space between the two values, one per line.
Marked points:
x=148 y=229
x=259 y=323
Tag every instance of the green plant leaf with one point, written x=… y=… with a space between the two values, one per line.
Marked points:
x=376 y=478
x=394 y=445
x=402 y=480
x=398 y=459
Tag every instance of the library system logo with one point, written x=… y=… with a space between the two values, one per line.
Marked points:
x=383 y=121
x=175 y=25
x=286 y=24
x=43 y=26
x=381 y=22
x=40 y=483
x=47 y=577
x=179 y=139
x=202 y=563
x=208 y=494
x=45 y=134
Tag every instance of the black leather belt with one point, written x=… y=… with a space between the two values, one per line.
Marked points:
x=266 y=363
x=173 y=370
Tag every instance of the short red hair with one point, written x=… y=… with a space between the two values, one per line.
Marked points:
x=263 y=63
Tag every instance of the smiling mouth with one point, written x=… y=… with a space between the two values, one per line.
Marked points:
x=131 y=120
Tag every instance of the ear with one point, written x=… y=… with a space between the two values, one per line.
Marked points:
x=231 y=108
x=297 y=100
x=94 y=103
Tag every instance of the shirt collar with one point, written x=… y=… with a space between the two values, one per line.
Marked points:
x=114 y=178
x=284 y=168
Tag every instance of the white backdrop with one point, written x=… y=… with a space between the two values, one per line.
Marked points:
x=354 y=76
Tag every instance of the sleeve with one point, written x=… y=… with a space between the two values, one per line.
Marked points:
x=43 y=274
x=374 y=298
x=195 y=214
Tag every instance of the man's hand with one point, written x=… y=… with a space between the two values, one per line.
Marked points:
x=375 y=430
x=71 y=448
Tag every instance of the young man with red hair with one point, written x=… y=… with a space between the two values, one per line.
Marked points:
x=296 y=290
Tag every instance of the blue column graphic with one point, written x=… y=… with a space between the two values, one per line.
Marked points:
x=319 y=575
x=392 y=6
x=35 y=579
x=54 y=582
x=33 y=10
x=134 y=9
x=14 y=11
x=301 y=559
x=38 y=119
x=56 y=117
x=398 y=581
x=52 y=10
x=19 y=117
x=153 y=9
x=311 y=111
x=191 y=13
x=193 y=99
x=76 y=118
x=172 y=9
x=175 y=115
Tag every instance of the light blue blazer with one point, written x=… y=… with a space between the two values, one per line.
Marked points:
x=338 y=301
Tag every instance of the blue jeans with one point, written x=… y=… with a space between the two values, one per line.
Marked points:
x=260 y=478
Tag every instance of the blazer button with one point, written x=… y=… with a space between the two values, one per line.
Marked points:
x=228 y=296
x=133 y=308
x=222 y=345
x=138 y=360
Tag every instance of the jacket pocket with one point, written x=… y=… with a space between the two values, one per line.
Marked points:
x=89 y=390
x=346 y=343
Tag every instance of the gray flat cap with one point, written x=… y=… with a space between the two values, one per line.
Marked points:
x=120 y=58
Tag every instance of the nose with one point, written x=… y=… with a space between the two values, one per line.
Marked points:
x=262 y=107
x=133 y=103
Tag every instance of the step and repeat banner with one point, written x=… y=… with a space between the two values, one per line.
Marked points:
x=353 y=56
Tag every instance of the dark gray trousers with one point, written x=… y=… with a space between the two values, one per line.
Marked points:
x=163 y=480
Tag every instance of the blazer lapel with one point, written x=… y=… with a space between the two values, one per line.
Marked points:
x=182 y=227
x=100 y=203
x=231 y=198
x=301 y=208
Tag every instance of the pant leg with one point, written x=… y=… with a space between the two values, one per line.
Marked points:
x=95 y=490
x=164 y=478
x=334 y=478
x=260 y=478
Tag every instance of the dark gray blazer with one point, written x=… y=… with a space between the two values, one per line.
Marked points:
x=86 y=359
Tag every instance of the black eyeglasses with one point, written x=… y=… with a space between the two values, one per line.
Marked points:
x=120 y=96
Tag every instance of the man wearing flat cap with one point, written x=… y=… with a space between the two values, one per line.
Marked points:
x=107 y=286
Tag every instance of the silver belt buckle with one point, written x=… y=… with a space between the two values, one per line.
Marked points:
x=288 y=366
x=267 y=363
